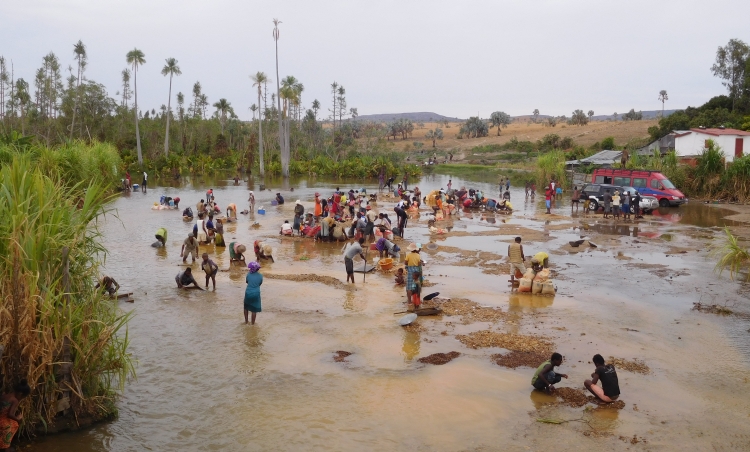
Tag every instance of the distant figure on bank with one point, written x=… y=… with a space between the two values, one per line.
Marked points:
x=189 y=248
x=252 y=292
x=145 y=182
x=610 y=390
x=516 y=257
x=545 y=377
x=185 y=278
x=161 y=237
x=575 y=199
x=236 y=252
x=251 y=201
x=548 y=198
x=109 y=284
x=210 y=268
x=10 y=416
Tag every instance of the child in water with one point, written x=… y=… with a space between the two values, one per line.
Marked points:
x=400 y=277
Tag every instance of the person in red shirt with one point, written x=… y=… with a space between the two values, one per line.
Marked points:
x=548 y=198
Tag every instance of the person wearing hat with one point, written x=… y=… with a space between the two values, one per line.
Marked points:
x=251 y=301
x=299 y=212
x=236 y=251
x=262 y=251
x=616 y=204
x=414 y=278
x=318 y=206
x=189 y=247
x=351 y=250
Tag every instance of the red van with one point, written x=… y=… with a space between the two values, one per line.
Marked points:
x=651 y=183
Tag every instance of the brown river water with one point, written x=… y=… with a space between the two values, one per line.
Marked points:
x=206 y=381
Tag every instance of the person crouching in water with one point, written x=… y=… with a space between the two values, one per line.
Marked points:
x=545 y=377
x=262 y=251
x=108 y=284
x=161 y=236
x=610 y=389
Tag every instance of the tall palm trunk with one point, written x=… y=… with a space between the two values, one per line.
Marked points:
x=260 y=139
x=75 y=104
x=137 y=132
x=169 y=106
x=282 y=148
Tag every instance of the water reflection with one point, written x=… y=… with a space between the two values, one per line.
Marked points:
x=411 y=345
x=626 y=230
x=519 y=302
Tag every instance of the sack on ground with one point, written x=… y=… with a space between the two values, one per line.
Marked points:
x=542 y=275
x=524 y=285
x=548 y=288
x=536 y=287
x=530 y=273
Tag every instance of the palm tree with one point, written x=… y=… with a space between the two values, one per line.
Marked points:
x=23 y=98
x=259 y=80
x=222 y=108
x=253 y=108
x=334 y=90
x=663 y=98
x=80 y=51
x=591 y=114
x=536 y=115
x=170 y=69
x=315 y=108
x=136 y=58
x=282 y=140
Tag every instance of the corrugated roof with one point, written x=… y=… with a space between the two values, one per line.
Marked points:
x=600 y=158
x=717 y=132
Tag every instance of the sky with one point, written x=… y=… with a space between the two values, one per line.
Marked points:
x=456 y=58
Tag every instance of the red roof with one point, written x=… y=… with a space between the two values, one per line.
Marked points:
x=718 y=132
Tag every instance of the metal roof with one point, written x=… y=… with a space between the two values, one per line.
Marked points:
x=600 y=158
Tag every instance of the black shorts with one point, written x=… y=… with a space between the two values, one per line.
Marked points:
x=575 y=200
x=145 y=182
x=349 y=264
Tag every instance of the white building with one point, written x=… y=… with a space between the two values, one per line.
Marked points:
x=690 y=143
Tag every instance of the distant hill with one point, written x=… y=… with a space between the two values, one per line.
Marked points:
x=421 y=116
x=648 y=114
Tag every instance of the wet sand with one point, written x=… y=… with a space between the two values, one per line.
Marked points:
x=206 y=381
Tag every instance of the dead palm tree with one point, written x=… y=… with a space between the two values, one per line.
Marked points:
x=79 y=49
x=136 y=58
x=259 y=80
x=170 y=69
x=282 y=134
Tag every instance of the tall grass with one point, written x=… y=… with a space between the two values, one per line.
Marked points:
x=733 y=257
x=43 y=220
x=551 y=166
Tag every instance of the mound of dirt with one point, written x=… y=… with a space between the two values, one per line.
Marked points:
x=636 y=366
x=616 y=405
x=516 y=359
x=328 y=280
x=509 y=341
x=340 y=356
x=472 y=311
x=712 y=309
x=571 y=397
x=439 y=359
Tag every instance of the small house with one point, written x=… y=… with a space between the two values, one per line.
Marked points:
x=688 y=144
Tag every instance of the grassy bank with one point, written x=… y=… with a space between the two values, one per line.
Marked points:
x=482 y=173
x=52 y=322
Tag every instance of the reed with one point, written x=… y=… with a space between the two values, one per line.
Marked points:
x=49 y=259
x=551 y=166
x=732 y=257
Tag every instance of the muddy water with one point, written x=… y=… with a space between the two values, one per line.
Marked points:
x=206 y=381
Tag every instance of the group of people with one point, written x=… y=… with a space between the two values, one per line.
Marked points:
x=545 y=378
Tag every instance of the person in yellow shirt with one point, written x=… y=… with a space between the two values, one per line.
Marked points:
x=414 y=277
x=540 y=261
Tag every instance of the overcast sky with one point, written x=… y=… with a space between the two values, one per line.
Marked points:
x=456 y=58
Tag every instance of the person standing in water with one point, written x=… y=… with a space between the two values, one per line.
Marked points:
x=516 y=257
x=210 y=268
x=10 y=416
x=610 y=390
x=189 y=248
x=145 y=182
x=252 y=292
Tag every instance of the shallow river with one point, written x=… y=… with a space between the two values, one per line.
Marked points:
x=207 y=381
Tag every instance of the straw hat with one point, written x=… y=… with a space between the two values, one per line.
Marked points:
x=241 y=249
x=414 y=247
x=298 y=202
x=267 y=250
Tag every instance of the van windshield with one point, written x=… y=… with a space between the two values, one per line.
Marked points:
x=667 y=183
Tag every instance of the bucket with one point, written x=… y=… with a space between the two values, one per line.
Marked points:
x=274 y=203
x=262 y=211
x=386 y=263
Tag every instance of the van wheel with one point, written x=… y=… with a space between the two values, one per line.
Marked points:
x=593 y=206
x=663 y=202
x=632 y=209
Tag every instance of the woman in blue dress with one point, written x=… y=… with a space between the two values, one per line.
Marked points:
x=252 y=292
